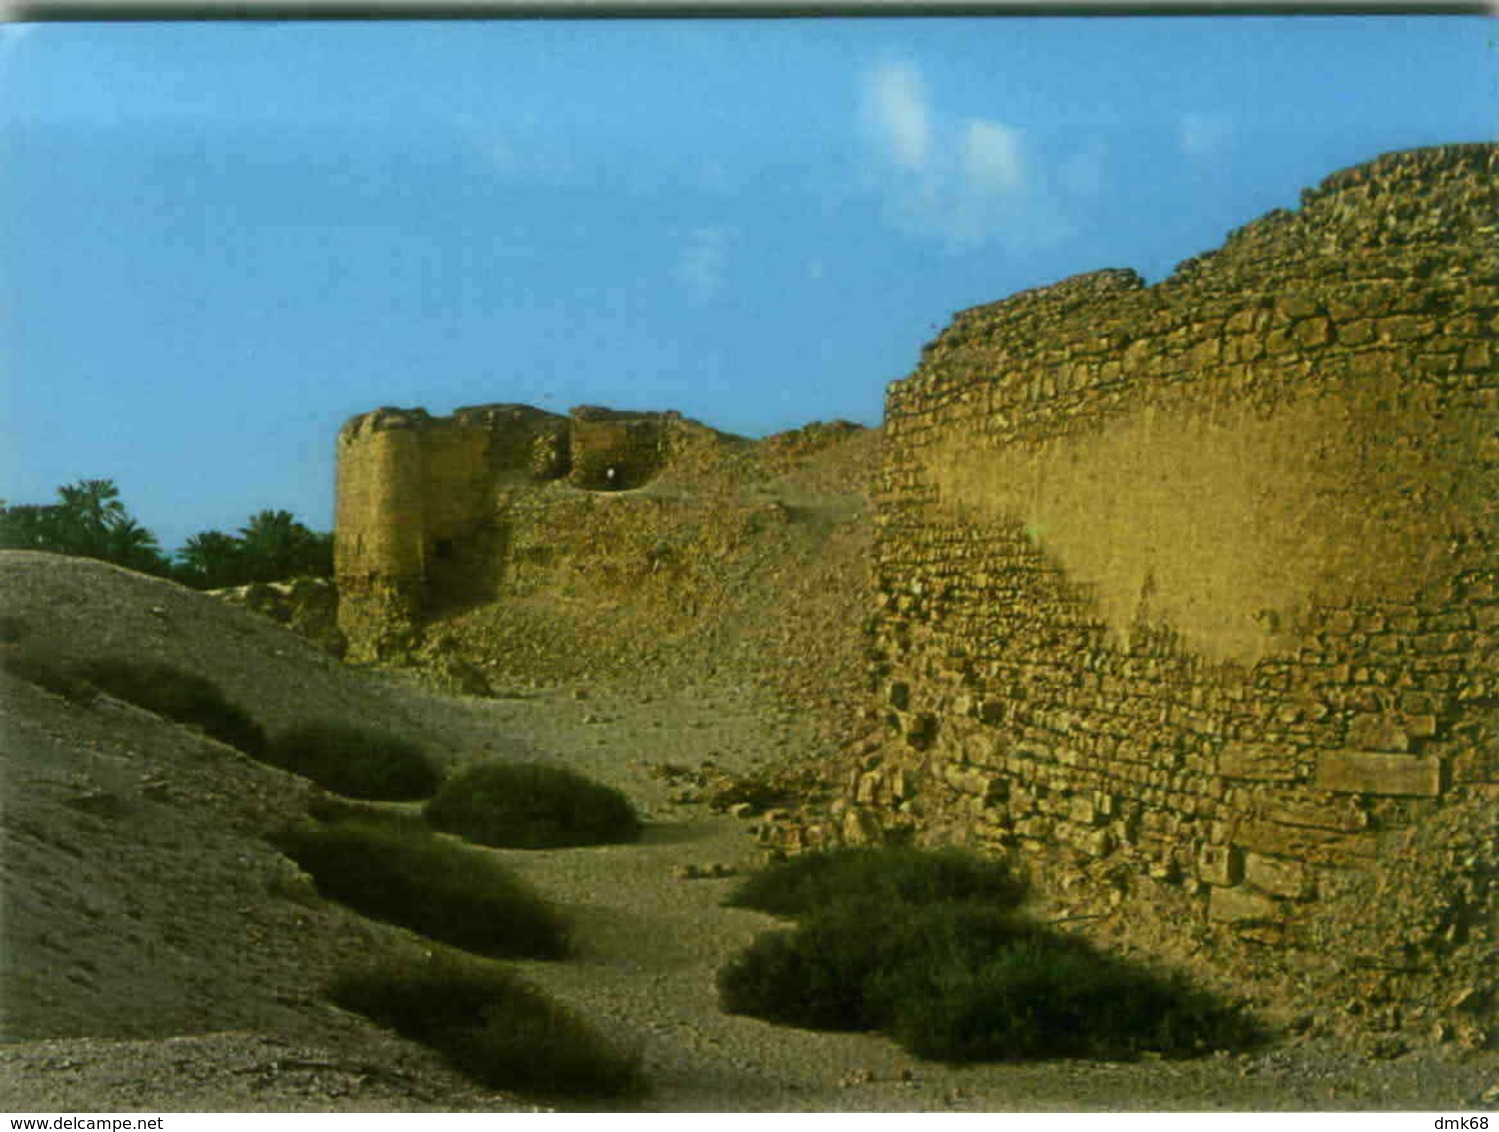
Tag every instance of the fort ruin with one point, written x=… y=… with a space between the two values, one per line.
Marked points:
x=1187 y=596
x=427 y=507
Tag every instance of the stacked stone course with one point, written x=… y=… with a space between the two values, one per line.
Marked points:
x=1189 y=597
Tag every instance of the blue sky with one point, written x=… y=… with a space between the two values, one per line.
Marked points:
x=222 y=240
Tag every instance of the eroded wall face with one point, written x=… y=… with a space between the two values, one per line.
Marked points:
x=436 y=514
x=616 y=455
x=1189 y=594
x=379 y=544
x=417 y=524
x=459 y=529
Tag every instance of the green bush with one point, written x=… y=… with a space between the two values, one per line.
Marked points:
x=491 y=1027
x=934 y=953
x=531 y=806
x=177 y=695
x=394 y=871
x=355 y=761
x=849 y=966
x=812 y=881
x=1044 y=995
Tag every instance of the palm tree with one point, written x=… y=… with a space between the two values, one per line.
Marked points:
x=268 y=541
x=31 y=526
x=276 y=546
x=92 y=499
x=213 y=560
x=86 y=510
x=128 y=544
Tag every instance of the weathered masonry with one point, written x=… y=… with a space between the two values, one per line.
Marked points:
x=427 y=506
x=1189 y=593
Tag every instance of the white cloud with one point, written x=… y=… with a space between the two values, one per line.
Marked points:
x=1201 y=134
x=896 y=103
x=991 y=156
x=965 y=181
x=702 y=264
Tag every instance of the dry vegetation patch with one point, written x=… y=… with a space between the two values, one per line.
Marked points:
x=531 y=806
x=403 y=874
x=491 y=1026
x=931 y=948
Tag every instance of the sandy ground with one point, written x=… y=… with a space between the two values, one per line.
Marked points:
x=158 y=955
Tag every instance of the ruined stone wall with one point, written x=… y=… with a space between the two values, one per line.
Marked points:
x=1190 y=600
x=416 y=523
x=435 y=513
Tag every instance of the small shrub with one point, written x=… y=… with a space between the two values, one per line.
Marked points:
x=813 y=881
x=850 y=966
x=800 y=978
x=355 y=761
x=177 y=695
x=531 y=806
x=1048 y=996
x=393 y=871
x=48 y=676
x=929 y=947
x=491 y=1027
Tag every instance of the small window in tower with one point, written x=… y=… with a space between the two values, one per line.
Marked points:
x=442 y=548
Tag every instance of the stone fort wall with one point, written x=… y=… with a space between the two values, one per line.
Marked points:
x=1189 y=597
x=429 y=508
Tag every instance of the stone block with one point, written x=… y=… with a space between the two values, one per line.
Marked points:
x=1243 y=320
x=1097 y=842
x=1277 y=877
x=860 y=827
x=978 y=783
x=1220 y=864
x=1298 y=306
x=1257 y=762
x=921 y=730
x=1421 y=726
x=1305 y=843
x=1373 y=772
x=1406 y=328
x=1478 y=764
x=1081 y=810
x=1036 y=828
x=1241 y=906
x=899 y=786
x=1319 y=811
x=1312 y=332
x=1373 y=731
